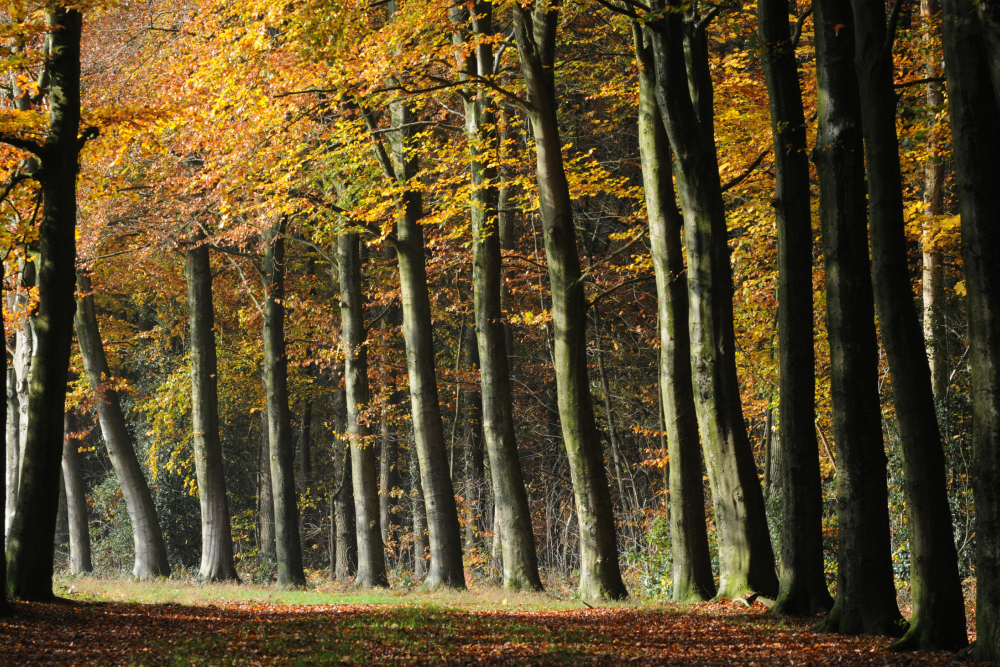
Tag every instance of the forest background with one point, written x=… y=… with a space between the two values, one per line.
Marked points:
x=223 y=126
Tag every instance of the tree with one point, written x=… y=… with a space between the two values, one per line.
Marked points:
x=216 y=533
x=802 y=587
x=746 y=559
x=938 y=621
x=517 y=539
x=691 y=561
x=866 y=593
x=150 y=551
x=286 y=513
x=974 y=106
x=371 y=552
x=600 y=572
x=31 y=542
x=76 y=500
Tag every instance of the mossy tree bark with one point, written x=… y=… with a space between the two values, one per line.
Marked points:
x=32 y=536
x=76 y=500
x=746 y=559
x=150 y=550
x=692 y=564
x=866 y=594
x=216 y=532
x=938 y=620
x=975 y=124
x=600 y=572
x=802 y=585
x=517 y=538
x=288 y=545
x=371 y=552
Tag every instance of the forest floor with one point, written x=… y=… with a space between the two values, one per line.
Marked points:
x=114 y=622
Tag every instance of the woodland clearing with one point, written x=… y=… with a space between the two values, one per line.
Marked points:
x=103 y=622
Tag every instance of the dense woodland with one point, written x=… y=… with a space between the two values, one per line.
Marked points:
x=639 y=298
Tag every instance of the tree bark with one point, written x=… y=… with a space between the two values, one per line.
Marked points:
x=600 y=572
x=938 y=620
x=802 y=586
x=746 y=559
x=975 y=126
x=13 y=457
x=419 y=515
x=389 y=481
x=866 y=594
x=692 y=563
x=371 y=551
x=265 y=495
x=346 y=540
x=76 y=501
x=216 y=533
x=31 y=543
x=150 y=551
x=288 y=545
x=444 y=533
x=517 y=537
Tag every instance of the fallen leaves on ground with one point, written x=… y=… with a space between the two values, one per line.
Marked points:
x=123 y=633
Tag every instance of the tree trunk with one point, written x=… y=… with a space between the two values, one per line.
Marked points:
x=600 y=572
x=286 y=512
x=371 y=551
x=13 y=458
x=347 y=545
x=938 y=620
x=150 y=551
x=866 y=594
x=24 y=350
x=516 y=534
x=216 y=533
x=692 y=564
x=802 y=588
x=443 y=529
x=746 y=559
x=76 y=501
x=305 y=445
x=31 y=543
x=975 y=124
x=389 y=480
x=265 y=495
x=419 y=517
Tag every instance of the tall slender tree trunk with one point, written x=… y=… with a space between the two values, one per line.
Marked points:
x=32 y=534
x=802 y=587
x=24 y=350
x=444 y=533
x=13 y=457
x=76 y=501
x=4 y=606
x=288 y=545
x=371 y=551
x=346 y=540
x=938 y=620
x=265 y=494
x=866 y=594
x=692 y=564
x=150 y=550
x=746 y=559
x=419 y=516
x=600 y=572
x=974 y=106
x=933 y=269
x=389 y=480
x=517 y=538
x=216 y=532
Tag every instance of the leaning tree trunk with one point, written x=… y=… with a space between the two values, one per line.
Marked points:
x=866 y=594
x=600 y=572
x=517 y=538
x=150 y=551
x=32 y=534
x=216 y=533
x=444 y=532
x=746 y=559
x=265 y=493
x=975 y=124
x=691 y=562
x=371 y=552
x=802 y=587
x=938 y=620
x=76 y=500
x=286 y=512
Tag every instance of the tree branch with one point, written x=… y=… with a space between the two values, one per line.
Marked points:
x=732 y=183
x=797 y=32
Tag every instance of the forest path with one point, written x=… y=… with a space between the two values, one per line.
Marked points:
x=459 y=629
